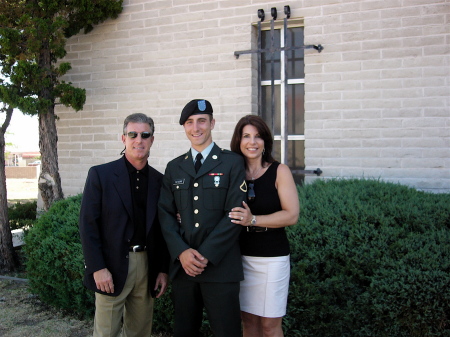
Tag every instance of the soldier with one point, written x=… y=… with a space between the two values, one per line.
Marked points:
x=203 y=185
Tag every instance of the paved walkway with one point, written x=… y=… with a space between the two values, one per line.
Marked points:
x=22 y=189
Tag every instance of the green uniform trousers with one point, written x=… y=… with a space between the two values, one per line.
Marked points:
x=221 y=301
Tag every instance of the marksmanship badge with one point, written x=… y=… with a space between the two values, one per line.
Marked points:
x=243 y=187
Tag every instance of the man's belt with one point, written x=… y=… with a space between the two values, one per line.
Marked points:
x=137 y=248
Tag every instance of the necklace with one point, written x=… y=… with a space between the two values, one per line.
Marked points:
x=256 y=173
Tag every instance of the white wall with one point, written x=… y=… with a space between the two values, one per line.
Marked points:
x=377 y=97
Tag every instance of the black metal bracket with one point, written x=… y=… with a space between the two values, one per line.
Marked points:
x=261 y=14
x=318 y=47
x=273 y=12
x=317 y=171
x=287 y=11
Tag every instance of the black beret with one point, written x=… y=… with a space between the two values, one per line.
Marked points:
x=195 y=107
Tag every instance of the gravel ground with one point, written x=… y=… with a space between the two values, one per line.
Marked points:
x=22 y=314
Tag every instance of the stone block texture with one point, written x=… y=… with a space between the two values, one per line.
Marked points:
x=376 y=98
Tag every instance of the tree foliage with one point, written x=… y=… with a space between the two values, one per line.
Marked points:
x=33 y=37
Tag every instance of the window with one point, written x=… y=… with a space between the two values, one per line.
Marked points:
x=282 y=92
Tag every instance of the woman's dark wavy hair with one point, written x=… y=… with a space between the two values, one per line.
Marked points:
x=263 y=131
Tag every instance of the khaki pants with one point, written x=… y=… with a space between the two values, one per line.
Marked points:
x=132 y=311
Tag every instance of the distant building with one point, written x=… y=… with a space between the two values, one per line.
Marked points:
x=19 y=158
x=373 y=103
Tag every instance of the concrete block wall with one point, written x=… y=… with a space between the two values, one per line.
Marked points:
x=377 y=97
x=22 y=172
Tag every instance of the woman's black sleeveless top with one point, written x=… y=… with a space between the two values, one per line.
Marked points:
x=273 y=242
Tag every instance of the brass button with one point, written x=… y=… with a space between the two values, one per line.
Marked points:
x=195 y=198
x=178 y=187
x=196 y=211
x=197 y=224
x=196 y=185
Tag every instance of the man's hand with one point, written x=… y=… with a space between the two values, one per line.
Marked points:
x=103 y=280
x=161 y=283
x=193 y=262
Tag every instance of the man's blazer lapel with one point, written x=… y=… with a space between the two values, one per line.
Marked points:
x=122 y=186
x=152 y=200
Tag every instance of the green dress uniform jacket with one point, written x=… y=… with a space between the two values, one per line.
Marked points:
x=204 y=200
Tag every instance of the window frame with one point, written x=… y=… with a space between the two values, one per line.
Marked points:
x=284 y=137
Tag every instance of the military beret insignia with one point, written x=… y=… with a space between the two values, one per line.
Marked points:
x=195 y=107
x=201 y=105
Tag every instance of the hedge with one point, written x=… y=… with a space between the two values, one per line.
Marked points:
x=22 y=215
x=369 y=258
x=54 y=259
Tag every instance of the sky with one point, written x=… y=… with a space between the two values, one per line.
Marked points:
x=22 y=132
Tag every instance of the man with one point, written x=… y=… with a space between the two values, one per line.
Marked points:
x=126 y=258
x=206 y=265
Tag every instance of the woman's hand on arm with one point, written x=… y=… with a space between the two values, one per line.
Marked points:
x=241 y=215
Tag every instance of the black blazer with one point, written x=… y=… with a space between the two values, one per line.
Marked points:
x=106 y=225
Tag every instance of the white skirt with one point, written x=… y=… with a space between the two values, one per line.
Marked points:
x=265 y=288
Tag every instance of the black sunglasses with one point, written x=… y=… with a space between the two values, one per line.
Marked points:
x=134 y=134
x=251 y=192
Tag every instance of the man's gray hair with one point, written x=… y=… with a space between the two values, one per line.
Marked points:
x=139 y=118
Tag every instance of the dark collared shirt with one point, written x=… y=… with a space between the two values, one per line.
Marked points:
x=139 y=190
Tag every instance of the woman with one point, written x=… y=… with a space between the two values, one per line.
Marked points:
x=272 y=205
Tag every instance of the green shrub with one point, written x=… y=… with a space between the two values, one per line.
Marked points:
x=22 y=215
x=55 y=261
x=163 y=317
x=369 y=259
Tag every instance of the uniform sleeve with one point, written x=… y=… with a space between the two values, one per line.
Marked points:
x=90 y=222
x=225 y=234
x=167 y=218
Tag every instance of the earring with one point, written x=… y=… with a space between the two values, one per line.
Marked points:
x=264 y=151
